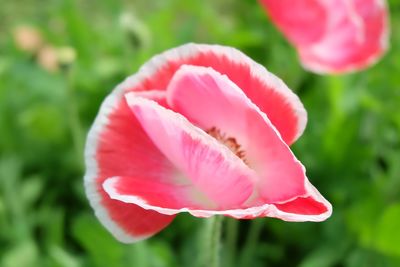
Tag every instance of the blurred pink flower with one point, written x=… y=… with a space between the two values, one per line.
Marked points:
x=333 y=36
x=27 y=38
x=47 y=58
x=200 y=129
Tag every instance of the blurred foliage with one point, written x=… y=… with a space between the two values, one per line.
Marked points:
x=351 y=147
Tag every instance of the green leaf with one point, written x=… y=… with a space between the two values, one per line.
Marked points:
x=23 y=254
x=387 y=231
x=101 y=246
x=62 y=258
x=31 y=190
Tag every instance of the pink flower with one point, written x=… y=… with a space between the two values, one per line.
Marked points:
x=333 y=36
x=27 y=38
x=200 y=129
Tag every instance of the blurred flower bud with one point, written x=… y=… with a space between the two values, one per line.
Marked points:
x=136 y=30
x=66 y=56
x=27 y=38
x=47 y=58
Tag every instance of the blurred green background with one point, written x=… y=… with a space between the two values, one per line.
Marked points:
x=50 y=93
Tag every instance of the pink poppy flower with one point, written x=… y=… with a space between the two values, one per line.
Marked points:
x=201 y=129
x=333 y=36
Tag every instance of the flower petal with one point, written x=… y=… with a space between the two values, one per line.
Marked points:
x=340 y=36
x=267 y=91
x=167 y=199
x=312 y=207
x=117 y=145
x=161 y=194
x=209 y=99
x=302 y=21
x=356 y=38
x=202 y=162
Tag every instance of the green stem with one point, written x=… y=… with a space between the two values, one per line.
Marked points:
x=251 y=242
x=336 y=119
x=335 y=94
x=231 y=240
x=73 y=117
x=213 y=241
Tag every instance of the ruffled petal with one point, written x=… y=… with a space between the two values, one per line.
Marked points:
x=117 y=145
x=312 y=207
x=267 y=91
x=167 y=199
x=162 y=194
x=223 y=180
x=210 y=100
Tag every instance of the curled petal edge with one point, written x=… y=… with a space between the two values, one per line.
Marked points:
x=266 y=210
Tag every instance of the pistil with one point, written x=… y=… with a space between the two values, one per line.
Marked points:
x=228 y=141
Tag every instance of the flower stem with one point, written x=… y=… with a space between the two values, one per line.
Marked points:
x=73 y=116
x=251 y=242
x=213 y=241
x=231 y=240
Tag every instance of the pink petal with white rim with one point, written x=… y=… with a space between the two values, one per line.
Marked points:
x=117 y=145
x=209 y=99
x=267 y=91
x=312 y=207
x=164 y=199
x=223 y=180
x=171 y=195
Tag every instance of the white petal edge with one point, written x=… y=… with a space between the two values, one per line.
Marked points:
x=91 y=173
x=92 y=169
x=267 y=210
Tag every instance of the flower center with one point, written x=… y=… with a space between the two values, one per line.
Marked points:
x=229 y=142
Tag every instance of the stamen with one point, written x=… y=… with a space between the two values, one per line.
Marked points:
x=229 y=142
